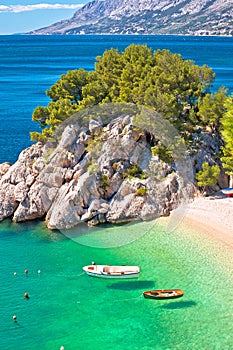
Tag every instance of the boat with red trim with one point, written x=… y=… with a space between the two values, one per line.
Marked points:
x=109 y=271
x=228 y=191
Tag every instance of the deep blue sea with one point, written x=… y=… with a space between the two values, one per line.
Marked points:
x=31 y=64
x=67 y=308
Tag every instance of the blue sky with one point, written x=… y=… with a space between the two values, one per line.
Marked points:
x=20 y=16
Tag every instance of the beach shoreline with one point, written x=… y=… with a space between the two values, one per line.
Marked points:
x=212 y=216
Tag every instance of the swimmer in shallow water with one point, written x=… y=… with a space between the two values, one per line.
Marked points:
x=26 y=296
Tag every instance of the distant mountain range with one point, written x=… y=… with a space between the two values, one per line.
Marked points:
x=180 y=17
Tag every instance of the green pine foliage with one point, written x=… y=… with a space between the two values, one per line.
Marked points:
x=227 y=134
x=211 y=108
x=208 y=175
x=104 y=182
x=161 y=80
x=176 y=88
x=162 y=152
x=132 y=171
x=141 y=191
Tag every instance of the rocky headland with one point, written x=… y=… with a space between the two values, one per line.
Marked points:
x=100 y=173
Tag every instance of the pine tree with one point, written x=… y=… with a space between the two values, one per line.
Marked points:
x=208 y=175
x=211 y=108
x=227 y=134
x=161 y=80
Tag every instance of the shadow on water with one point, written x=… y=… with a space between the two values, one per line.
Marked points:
x=17 y=324
x=179 y=305
x=132 y=285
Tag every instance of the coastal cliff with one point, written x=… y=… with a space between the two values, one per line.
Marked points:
x=99 y=172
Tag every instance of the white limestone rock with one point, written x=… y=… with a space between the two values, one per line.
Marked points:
x=95 y=125
x=8 y=202
x=69 y=184
x=20 y=191
x=69 y=136
x=4 y=167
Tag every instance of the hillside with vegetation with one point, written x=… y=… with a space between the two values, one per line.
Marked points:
x=179 y=17
x=176 y=88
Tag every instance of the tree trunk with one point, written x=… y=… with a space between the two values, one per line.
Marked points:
x=231 y=181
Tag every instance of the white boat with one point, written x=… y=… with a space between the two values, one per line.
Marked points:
x=109 y=271
x=228 y=191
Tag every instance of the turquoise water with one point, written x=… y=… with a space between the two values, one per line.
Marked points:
x=67 y=308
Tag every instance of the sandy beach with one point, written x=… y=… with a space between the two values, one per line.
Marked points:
x=212 y=215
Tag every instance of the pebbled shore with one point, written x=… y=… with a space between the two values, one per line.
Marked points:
x=212 y=215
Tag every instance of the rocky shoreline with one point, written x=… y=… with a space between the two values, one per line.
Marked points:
x=115 y=179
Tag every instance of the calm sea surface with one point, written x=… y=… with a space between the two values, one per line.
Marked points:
x=31 y=64
x=67 y=308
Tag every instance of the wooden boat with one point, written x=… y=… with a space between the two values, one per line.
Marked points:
x=163 y=294
x=109 y=271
